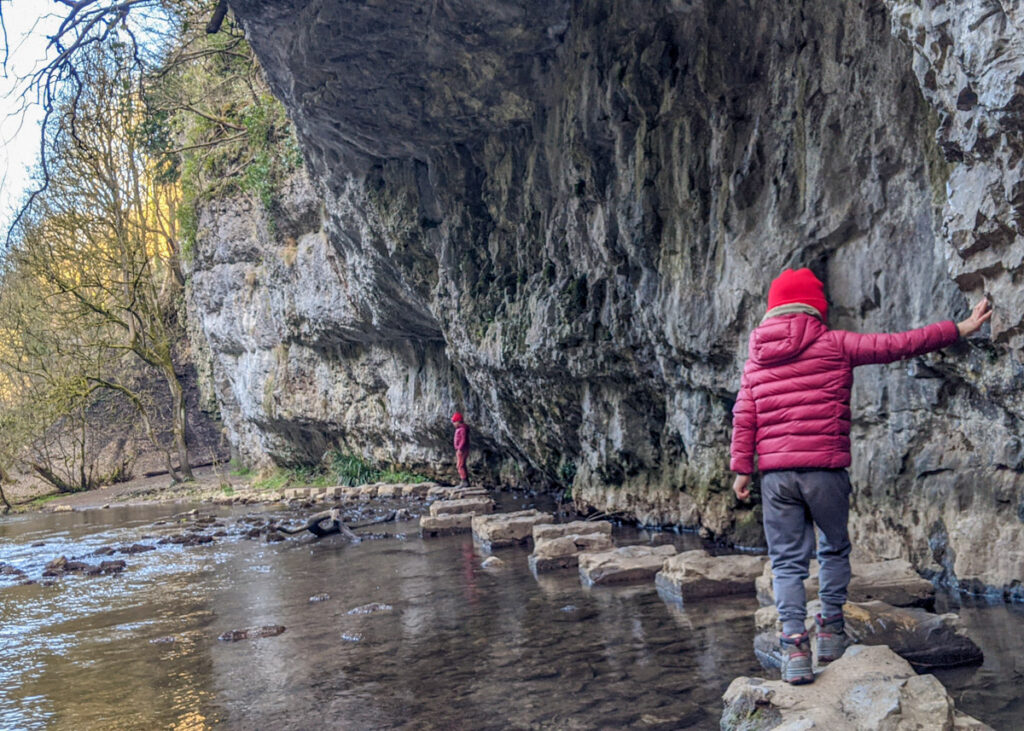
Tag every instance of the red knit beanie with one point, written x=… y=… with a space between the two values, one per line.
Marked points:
x=798 y=286
x=456 y=417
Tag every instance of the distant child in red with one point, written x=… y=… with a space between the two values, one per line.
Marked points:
x=461 y=448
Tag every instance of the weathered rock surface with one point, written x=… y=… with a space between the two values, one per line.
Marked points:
x=923 y=639
x=868 y=688
x=507 y=529
x=445 y=525
x=697 y=574
x=587 y=200
x=628 y=564
x=559 y=546
x=894 y=582
x=465 y=506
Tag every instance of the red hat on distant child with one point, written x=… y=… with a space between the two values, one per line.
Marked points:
x=456 y=417
x=798 y=285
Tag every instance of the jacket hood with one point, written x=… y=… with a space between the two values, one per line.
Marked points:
x=781 y=339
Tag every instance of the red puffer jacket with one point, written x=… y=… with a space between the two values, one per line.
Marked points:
x=793 y=407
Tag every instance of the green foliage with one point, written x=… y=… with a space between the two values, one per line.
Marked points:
x=338 y=468
x=567 y=473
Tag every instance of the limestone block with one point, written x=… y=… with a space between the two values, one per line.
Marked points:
x=623 y=565
x=445 y=525
x=563 y=551
x=472 y=506
x=869 y=687
x=389 y=491
x=351 y=493
x=576 y=527
x=894 y=582
x=697 y=574
x=419 y=489
x=368 y=491
x=507 y=529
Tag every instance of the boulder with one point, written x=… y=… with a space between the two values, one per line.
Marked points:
x=623 y=565
x=507 y=529
x=867 y=688
x=445 y=525
x=697 y=574
x=923 y=639
x=563 y=551
x=894 y=582
x=469 y=506
x=492 y=562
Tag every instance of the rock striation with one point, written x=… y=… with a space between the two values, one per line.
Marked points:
x=562 y=218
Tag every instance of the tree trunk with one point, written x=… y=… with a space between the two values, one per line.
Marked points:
x=179 y=424
x=54 y=479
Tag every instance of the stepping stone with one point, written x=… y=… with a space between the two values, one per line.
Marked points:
x=445 y=525
x=894 y=582
x=368 y=491
x=559 y=546
x=473 y=506
x=623 y=565
x=391 y=490
x=867 y=688
x=416 y=489
x=697 y=574
x=923 y=639
x=507 y=529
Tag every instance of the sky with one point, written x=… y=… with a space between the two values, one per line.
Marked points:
x=28 y=22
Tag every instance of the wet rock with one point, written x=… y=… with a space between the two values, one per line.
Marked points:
x=103 y=551
x=252 y=633
x=417 y=489
x=923 y=639
x=37 y=544
x=492 y=562
x=137 y=548
x=893 y=582
x=373 y=608
x=471 y=506
x=623 y=565
x=187 y=539
x=432 y=526
x=319 y=598
x=697 y=574
x=108 y=567
x=867 y=688
x=389 y=491
x=507 y=529
x=559 y=546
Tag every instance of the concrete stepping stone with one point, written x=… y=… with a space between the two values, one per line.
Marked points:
x=867 y=688
x=697 y=574
x=558 y=546
x=894 y=582
x=923 y=639
x=623 y=565
x=507 y=529
x=472 y=505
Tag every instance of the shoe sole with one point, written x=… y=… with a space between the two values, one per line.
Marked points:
x=807 y=680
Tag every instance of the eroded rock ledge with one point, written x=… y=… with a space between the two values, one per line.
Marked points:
x=563 y=217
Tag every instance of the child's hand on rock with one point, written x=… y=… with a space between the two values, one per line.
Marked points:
x=979 y=315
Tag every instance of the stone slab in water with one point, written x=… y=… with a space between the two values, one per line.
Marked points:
x=507 y=529
x=416 y=489
x=471 y=506
x=894 y=582
x=445 y=525
x=867 y=688
x=923 y=639
x=559 y=546
x=623 y=565
x=389 y=490
x=697 y=574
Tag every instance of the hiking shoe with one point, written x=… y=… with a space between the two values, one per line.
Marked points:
x=830 y=637
x=796 y=659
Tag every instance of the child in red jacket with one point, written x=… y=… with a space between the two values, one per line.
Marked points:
x=461 y=448
x=793 y=412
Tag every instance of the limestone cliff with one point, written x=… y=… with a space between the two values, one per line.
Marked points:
x=562 y=218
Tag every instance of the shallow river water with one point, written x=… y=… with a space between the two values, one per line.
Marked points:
x=461 y=647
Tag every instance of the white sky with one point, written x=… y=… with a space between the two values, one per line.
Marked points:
x=28 y=23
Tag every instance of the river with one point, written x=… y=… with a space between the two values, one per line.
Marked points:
x=455 y=646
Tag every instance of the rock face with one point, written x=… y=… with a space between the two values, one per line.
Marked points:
x=867 y=688
x=562 y=218
x=697 y=574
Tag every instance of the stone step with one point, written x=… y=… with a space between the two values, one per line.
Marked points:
x=697 y=574
x=471 y=506
x=923 y=639
x=432 y=526
x=623 y=565
x=558 y=546
x=867 y=688
x=894 y=582
x=499 y=530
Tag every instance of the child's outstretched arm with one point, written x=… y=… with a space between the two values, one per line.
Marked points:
x=744 y=429
x=863 y=349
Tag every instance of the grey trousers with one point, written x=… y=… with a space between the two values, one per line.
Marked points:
x=794 y=502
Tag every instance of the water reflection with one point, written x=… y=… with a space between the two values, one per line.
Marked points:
x=461 y=647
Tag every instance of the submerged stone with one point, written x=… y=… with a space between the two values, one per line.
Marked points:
x=252 y=633
x=373 y=608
